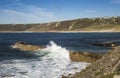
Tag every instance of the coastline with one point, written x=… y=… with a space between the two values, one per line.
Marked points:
x=74 y=56
x=101 y=31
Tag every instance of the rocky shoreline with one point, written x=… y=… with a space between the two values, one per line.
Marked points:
x=106 y=67
x=84 y=57
x=102 y=65
x=74 y=56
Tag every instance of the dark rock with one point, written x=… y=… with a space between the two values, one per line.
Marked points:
x=110 y=44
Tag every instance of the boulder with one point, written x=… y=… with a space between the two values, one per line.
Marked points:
x=26 y=47
x=84 y=56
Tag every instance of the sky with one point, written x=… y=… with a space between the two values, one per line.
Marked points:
x=42 y=11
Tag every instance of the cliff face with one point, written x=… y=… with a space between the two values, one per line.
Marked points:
x=84 y=24
x=106 y=67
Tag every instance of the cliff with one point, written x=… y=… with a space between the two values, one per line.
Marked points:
x=106 y=67
x=83 y=24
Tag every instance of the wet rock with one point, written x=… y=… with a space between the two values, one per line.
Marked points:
x=84 y=57
x=108 y=44
x=74 y=56
x=26 y=47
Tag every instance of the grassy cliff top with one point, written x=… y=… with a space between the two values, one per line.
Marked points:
x=83 y=24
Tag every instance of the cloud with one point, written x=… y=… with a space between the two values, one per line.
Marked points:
x=30 y=14
x=116 y=1
x=40 y=11
x=17 y=14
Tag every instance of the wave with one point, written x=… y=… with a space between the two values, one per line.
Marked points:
x=53 y=63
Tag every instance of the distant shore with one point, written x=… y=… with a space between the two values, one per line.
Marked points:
x=101 y=31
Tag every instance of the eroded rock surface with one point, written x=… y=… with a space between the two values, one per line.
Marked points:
x=106 y=67
x=84 y=56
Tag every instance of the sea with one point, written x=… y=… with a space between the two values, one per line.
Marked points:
x=52 y=61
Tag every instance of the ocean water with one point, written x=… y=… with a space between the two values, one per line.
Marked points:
x=52 y=61
x=71 y=41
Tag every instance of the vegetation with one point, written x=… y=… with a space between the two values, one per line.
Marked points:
x=83 y=24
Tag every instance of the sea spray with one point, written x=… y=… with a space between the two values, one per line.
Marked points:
x=53 y=62
x=58 y=54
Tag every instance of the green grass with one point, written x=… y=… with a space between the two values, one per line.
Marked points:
x=97 y=73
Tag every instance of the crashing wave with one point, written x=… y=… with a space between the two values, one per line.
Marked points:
x=53 y=64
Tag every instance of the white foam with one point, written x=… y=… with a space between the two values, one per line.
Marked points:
x=13 y=46
x=53 y=64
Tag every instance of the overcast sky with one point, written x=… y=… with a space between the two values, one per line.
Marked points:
x=39 y=11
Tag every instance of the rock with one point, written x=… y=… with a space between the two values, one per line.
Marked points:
x=74 y=56
x=26 y=47
x=116 y=76
x=84 y=57
x=106 y=67
x=109 y=44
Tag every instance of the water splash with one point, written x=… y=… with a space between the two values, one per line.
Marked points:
x=53 y=64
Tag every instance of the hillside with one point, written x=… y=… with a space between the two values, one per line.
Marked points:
x=83 y=24
x=106 y=67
